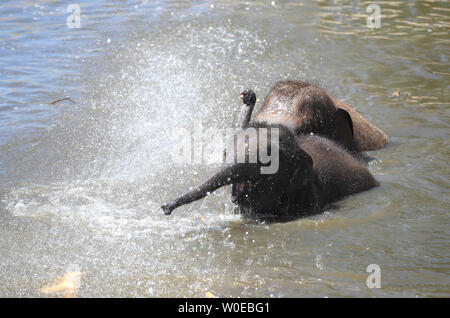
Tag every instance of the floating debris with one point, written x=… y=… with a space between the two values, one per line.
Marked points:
x=210 y=295
x=66 y=285
x=62 y=99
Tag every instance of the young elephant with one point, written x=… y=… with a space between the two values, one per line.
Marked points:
x=305 y=108
x=312 y=172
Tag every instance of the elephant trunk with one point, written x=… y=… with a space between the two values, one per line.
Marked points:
x=238 y=172
x=249 y=100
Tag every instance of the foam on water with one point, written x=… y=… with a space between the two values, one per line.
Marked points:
x=88 y=204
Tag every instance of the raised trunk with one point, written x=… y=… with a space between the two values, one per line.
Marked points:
x=249 y=100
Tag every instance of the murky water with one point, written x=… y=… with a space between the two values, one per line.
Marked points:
x=82 y=179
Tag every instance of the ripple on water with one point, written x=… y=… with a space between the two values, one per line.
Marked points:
x=82 y=183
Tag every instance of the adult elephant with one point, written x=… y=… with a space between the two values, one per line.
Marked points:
x=312 y=171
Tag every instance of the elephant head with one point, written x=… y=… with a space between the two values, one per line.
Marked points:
x=251 y=181
x=307 y=109
x=251 y=195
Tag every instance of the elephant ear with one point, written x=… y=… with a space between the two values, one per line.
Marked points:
x=342 y=130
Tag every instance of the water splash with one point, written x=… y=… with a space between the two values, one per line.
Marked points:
x=111 y=168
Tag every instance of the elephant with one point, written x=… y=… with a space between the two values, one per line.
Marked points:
x=306 y=108
x=313 y=171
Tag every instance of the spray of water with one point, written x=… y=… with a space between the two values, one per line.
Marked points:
x=108 y=159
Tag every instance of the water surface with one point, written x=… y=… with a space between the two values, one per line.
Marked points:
x=81 y=180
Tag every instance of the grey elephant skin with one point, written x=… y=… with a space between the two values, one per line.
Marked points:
x=318 y=142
